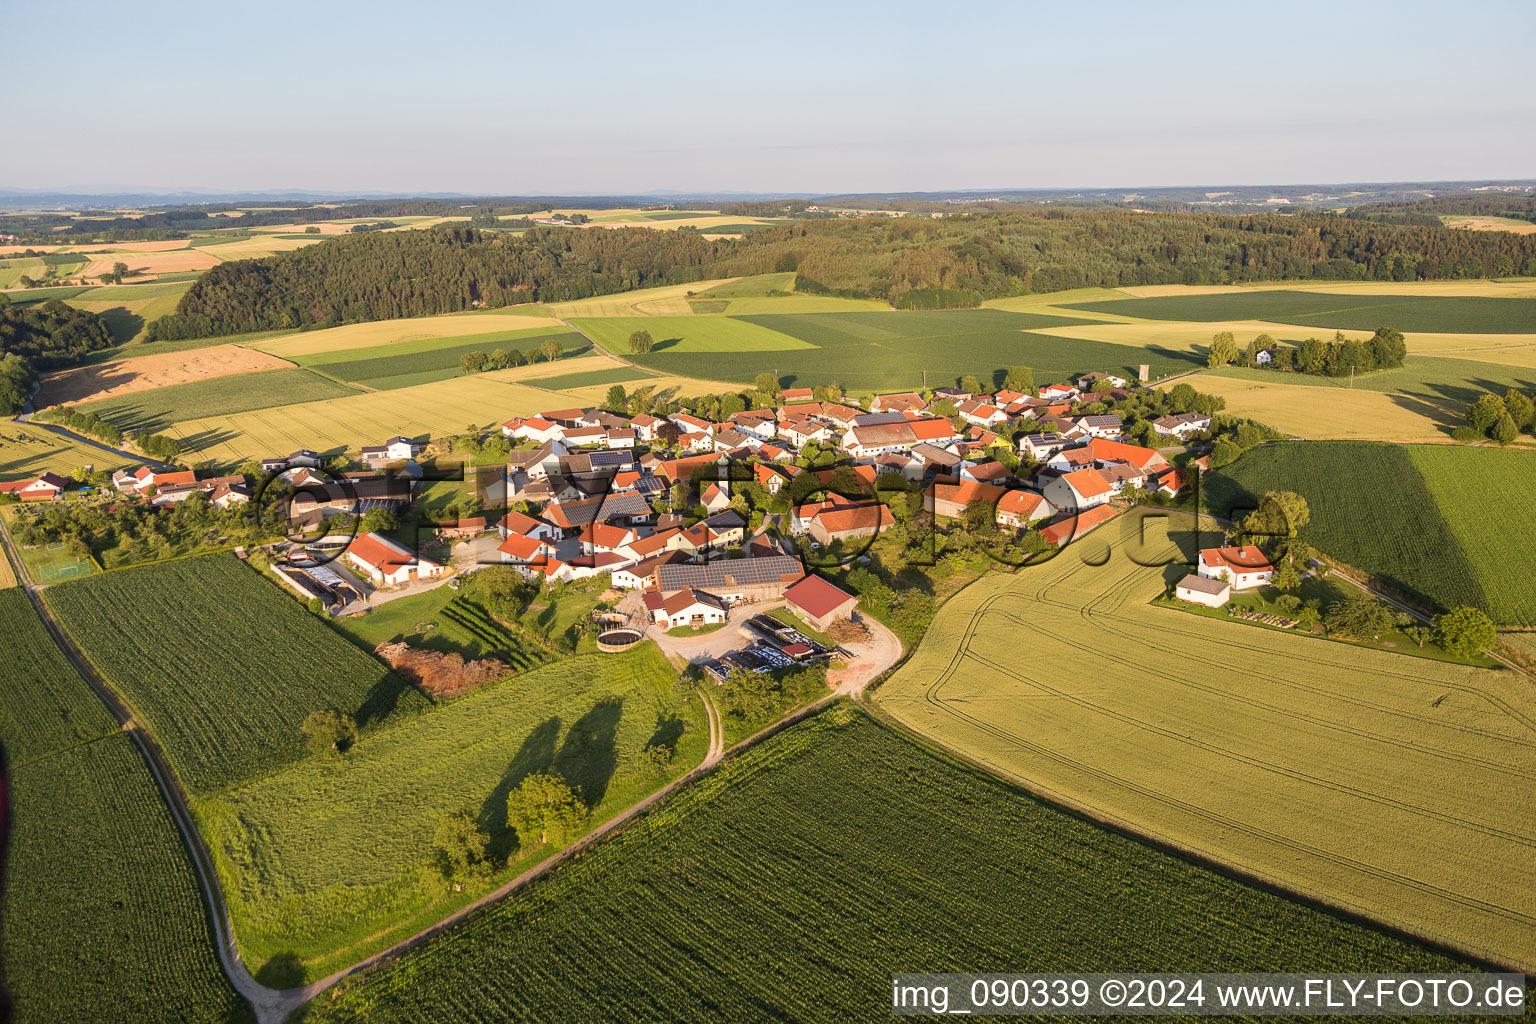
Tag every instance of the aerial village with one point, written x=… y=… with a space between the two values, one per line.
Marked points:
x=653 y=503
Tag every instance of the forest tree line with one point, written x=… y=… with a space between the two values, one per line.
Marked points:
x=950 y=262
x=44 y=335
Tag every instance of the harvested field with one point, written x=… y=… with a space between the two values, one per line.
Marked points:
x=142 y=373
x=1519 y=227
x=1246 y=746
x=160 y=245
x=172 y=261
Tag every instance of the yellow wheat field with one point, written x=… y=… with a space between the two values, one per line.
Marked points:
x=27 y=450
x=346 y=424
x=1316 y=411
x=1395 y=787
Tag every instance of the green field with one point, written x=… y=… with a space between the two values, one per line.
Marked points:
x=592 y=378
x=322 y=862
x=1449 y=314
x=1247 y=746
x=793 y=882
x=156 y=409
x=222 y=665
x=686 y=334
x=1445 y=525
x=742 y=287
x=15 y=267
x=876 y=351
x=406 y=364
x=44 y=704
x=102 y=916
x=444 y=620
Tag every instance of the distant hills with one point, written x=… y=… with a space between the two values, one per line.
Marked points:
x=1214 y=197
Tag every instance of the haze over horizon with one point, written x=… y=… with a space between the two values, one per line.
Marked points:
x=818 y=99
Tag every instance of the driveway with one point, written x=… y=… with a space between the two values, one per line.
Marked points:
x=871 y=657
x=695 y=649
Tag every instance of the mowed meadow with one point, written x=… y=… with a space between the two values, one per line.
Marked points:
x=794 y=880
x=1244 y=745
x=326 y=861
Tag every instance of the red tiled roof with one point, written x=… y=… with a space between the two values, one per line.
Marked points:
x=384 y=554
x=1076 y=526
x=1247 y=558
x=1088 y=483
x=525 y=548
x=1020 y=503
x=816 y=597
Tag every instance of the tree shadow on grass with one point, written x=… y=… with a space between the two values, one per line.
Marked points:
x=589 y=755
x=285 y=970
x=669 y=730
x=383 y=697
x=536 y=754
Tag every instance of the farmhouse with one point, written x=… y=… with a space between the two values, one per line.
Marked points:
x=834 y=521
x=1244 y=567
x=981 y=414
x=1100 y=426
x=43 y=488
x=904 y=402
x=789 y=395
x=687 y=607
x=1198 y=589
x=820 y=603
x=1019 y=508
x=302 y=457
x=735 y=579
x=1058 y=391
x=869 y=442
x=947 y=497
x=387 y=562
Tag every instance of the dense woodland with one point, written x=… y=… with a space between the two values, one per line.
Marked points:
x=42 y=336
x=1426 y=212
x=913 y=262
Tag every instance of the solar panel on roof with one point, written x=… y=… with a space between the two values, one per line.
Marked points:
x=609 y=458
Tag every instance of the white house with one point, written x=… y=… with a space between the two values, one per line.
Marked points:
x=1245 y=567
x=1200 y=590
x=1100 y=426
x=1041 y=446
x=396 y=449
x=387 y=562
x=1182 y=425
x=1098 y=378
x=1080 y=490
x=1059 y=391
x=1018 y=509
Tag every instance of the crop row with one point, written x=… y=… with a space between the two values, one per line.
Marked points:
x=103 y=917
x=44 y=704
x=222 y=666
x=436 y=363
x=791 y=883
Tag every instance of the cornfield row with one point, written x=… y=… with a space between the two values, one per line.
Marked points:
x=791 y=883
x=221 y=666
x=103 y=920
x=44 y=704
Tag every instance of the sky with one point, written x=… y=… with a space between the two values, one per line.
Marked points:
x=514 y=98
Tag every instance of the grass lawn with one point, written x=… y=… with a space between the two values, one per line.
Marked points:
x=322 y=863
x=792 y=882
x=1246 y=745
x=1324 y=592
x=708 y=627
